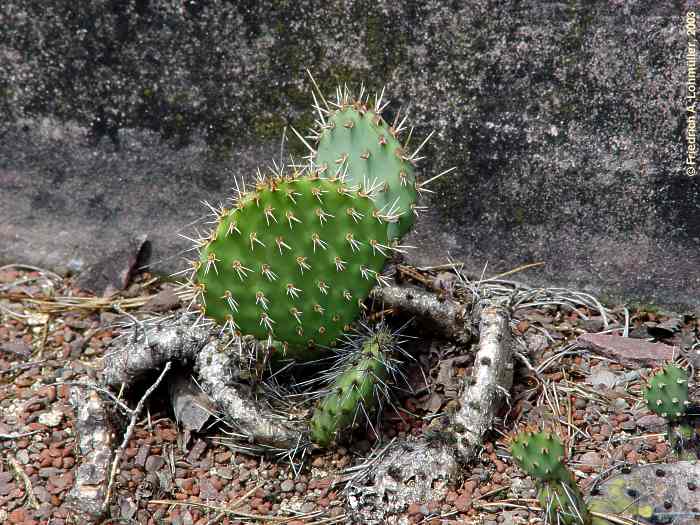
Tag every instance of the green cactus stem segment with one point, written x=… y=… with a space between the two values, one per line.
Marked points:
x=357 y=142
x=540 y=455
x=353 y=390
x=667 y=393
x=563 y=503
x=282 y=263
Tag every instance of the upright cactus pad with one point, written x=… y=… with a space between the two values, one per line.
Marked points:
x=293 y=260
x=667 y=393
x=355 y=384
x=540 y=455
x=353 y=138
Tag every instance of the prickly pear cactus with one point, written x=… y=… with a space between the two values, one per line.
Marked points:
x=353 y=389
x=355 y=140
x=292 y=260
x=667 y=393
x=541 y=455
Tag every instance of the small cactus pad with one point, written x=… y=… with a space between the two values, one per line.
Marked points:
x=667 y=393
x=354 y=385
x=356 y=140
x=563 y=503
x=540 y=455
x=293 y=260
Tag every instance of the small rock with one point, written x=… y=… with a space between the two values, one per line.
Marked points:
x=602 y=376
x=223 y=472
x=51 y=419
x=620 y=404
x=6 y=488
x=163 y=301
x=62 y=481
x=42 y=494
x=127 y=508
x=19 y=348
x=23 y=456
x=48 y=472
x=651 y=422
x=197 y=450
x=207 y=490
x=308 y=507
x=287 y=485
x=243 y=474
x=142 y=455
x=591 y=458
x=632 y=353
x=154 y=463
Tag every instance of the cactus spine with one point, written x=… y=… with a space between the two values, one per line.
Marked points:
x=356 y=384
x=541 y=455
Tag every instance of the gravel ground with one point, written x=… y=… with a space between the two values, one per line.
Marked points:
x=168 y=476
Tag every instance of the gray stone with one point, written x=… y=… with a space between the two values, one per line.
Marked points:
x=117 y=122
x=207 y=490
x=154 y=463
x=591 y=458
x=651 y=422
x=631 y=353
x=601 y=375
x=287 y=485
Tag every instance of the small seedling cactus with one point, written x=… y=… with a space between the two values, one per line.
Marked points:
x=666 y=395
x=541 y=455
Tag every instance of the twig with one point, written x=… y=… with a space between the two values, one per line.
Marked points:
x=130 y=429
x=445 y=315
x=234 y=505
x=21 y=475
x=32 y=268
x=491 y=380
x=514 y=270
x=97 y=388
x=20 y=435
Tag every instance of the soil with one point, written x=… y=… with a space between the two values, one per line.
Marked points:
x=52 y=333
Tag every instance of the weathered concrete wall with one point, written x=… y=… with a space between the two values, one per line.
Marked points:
x=566 y=121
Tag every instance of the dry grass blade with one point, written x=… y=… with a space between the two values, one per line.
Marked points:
x=22 y=476
x=65 y=304
x=254 y=517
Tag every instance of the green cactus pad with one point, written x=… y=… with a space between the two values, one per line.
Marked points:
x=563 y=503
x=667 y=393
x=353 y=386
x=357 y=141
x=540 y=455
x=292 y=261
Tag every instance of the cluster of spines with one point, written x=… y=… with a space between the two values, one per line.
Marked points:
x=540 y=454
x=357 y=385
x=666 y=393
